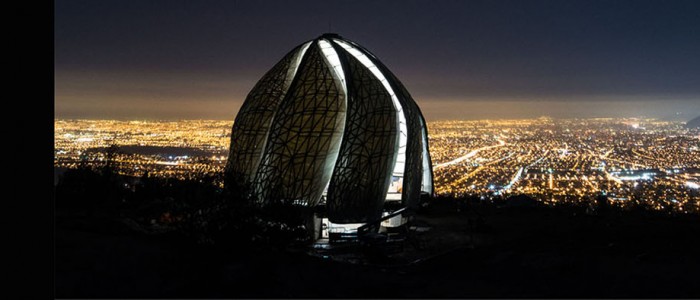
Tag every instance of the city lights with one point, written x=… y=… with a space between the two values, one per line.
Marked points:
x=571 y=160
x=553 y=161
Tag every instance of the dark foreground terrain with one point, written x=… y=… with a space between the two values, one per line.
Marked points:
x=520 y=252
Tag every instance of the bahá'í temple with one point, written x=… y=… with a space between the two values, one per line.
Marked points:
x=330 y=125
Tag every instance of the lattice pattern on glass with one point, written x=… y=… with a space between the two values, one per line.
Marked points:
x=364 y=167
x=330 y=116
x=304 y=136
x=252 y=124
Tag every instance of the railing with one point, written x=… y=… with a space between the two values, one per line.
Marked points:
x=373 y=226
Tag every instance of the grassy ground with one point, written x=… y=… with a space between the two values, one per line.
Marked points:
x=516 y=252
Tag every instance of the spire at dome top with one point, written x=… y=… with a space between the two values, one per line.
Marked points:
x=329 y=35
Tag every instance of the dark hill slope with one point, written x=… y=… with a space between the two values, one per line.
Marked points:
x=694 y=123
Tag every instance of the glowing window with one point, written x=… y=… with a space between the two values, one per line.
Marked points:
x=400 y=163
x=334 y=61
x=296 y=60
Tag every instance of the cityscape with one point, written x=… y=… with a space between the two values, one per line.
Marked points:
x=641 y=161
x=180 y=149
x=369 y=149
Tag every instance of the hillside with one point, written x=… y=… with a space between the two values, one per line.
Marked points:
x=519 y=252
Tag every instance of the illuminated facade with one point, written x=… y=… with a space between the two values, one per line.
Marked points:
x=329 y=123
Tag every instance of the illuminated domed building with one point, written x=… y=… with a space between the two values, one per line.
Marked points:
x=330 y=125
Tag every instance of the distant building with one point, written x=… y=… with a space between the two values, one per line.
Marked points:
x=329 y=124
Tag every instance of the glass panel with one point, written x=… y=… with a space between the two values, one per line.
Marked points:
x=399 y=166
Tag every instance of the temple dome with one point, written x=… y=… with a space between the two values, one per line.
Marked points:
x=329 y=123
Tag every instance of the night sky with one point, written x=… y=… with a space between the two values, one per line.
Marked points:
x=459 y=59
